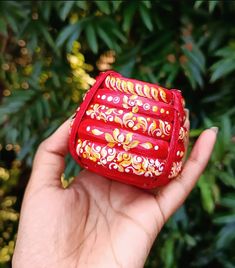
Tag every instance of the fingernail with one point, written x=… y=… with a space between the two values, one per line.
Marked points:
x=215 y=129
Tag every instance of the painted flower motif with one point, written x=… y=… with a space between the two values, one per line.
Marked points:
x=132 y=102
x=100 y=112
x=122 y=161
x=164 y=128
x=138 y=165
x=176 y=168
x=121 y=139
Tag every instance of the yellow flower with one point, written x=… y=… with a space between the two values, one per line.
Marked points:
x=120 y=139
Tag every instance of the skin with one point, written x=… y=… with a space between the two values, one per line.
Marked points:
x=95 y=222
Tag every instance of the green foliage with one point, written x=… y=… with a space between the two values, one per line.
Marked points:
x=49 y=52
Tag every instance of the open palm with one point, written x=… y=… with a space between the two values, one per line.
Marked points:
x=95 y=222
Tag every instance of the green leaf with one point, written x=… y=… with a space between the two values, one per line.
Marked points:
x=66 y=9
x=196 y=57
x=226 y=178
x=105 y=37
x=116 y=4
x=48 y=37
x=81 y=4
x=195 y=133
x=39 y=111
x=146 y=3
x=225 y=236
x=3 y=27
x=167 y=252
x=46 y=107
x=206 y=193
x=221 y=69
x=67 y=32
x=103 y=6
x=46 y=11
x=91 y=38
x=145 y=16
x=72 y=38
x=26 y=148
x=119 y=34
x=56 y=80
x=212 y=5
x=13 y=24
x=228 y=201
x=198 y=3
x=128 y=15
x=224 y=219
x=194 y=74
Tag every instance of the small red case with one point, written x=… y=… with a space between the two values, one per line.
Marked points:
x=130 y=131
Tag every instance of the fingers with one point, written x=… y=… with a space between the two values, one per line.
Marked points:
x=171 y=197
x=49 y=160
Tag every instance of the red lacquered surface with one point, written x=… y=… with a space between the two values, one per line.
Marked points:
x=130 y=131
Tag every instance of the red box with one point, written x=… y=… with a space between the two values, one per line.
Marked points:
x=130 y=131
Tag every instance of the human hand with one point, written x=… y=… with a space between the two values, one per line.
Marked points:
x=95 y=222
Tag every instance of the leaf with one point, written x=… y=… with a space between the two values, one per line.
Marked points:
x=73 y=37
x=118 y=120
x=206 y=193
x=119 y=34
x=109 y=138
x=146 y=145
x=212 y=5
x=91 y=38
x=26 y=148
x=145 y=16
x=128 y=15
x=228 y=201
x=135 y=109
x=133 y=144
x=146 y=3
x=47 y=11
x=225 y=236
x=3 y=27
x=125 y=163
x=224 y=219
x=103 y=6
x=167 y=252
x=116 y=4
x=48 y=37
x=196 y=57
x=66 y=33
x=97 y=132
x=116 y=132
x=81 y=4
x=194 y=75
x=66 y=9
x=105 y=37
x=222 y=68
x=128 y=137
x=198 y=3
x=195 y=133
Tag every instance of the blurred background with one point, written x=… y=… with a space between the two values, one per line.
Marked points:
x=50 y=53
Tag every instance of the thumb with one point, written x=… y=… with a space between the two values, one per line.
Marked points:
x=49 y=162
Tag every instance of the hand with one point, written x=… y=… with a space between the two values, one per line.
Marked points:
x=95 y=222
